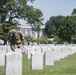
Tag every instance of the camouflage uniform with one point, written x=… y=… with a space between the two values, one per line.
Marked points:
x=16 y=39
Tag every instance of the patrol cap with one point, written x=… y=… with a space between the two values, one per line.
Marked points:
x=13 y=30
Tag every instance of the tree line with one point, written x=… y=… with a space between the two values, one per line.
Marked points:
x=62 y=28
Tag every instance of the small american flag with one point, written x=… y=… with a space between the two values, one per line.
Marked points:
x=23 y=49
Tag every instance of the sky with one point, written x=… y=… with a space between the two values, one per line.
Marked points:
x=54 y=7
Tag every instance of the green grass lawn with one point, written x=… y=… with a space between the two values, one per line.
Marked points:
x=66 y=66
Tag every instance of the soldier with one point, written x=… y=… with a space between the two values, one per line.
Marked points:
x=16 y=40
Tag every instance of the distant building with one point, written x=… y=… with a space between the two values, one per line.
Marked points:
x=26 y=29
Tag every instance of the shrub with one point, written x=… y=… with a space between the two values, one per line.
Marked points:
x=57 y=39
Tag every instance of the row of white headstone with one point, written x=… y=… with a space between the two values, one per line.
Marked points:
x=49 y=53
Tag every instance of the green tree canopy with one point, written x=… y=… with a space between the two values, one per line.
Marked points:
x=74 y=12
x=52 y=25
x=62 y=26
x=20 y=9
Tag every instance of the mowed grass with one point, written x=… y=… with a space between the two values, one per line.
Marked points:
x=65 y=66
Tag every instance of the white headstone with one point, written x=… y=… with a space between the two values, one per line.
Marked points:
x=13 y=63
x=49 y=58
x=29 y=51
x=2 y=55
x=8 y=48
x=36 y=61
x=19 y=50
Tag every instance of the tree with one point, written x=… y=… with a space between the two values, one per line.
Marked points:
x=10 y=9
x=52 y=25
x=64 y=27
x=73 y=12
x=67 y=29
x=21 y=10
